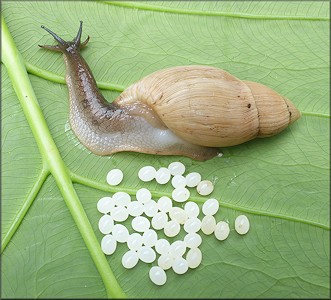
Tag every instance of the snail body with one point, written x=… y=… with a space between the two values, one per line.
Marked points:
x=185 y=110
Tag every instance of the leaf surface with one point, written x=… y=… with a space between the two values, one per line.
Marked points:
x=280 y=183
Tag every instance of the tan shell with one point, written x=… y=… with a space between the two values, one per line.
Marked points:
x=209 y=107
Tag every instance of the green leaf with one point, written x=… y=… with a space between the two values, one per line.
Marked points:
x=51 y=183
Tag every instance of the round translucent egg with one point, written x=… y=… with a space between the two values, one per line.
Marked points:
x=172 y=228
x=159 y=220
x=119 y=213
x=114 y=177
x=120 y=233
x=149 y=238
x=193 y=179
x=150 y=208
x=106 y=224
x=105 y=205
x=222 y=230
x=192 y=209
x=192 y=225
x=140 y=224
x=180 y=265
x=208 y=225
x=108 y=244
x=157 y=275
x=177 y=249
x=162 y=175
x=192 y=240
x=180 y=194
x=146 y=254
x=130 y=259
x=147 y=173
x=194 y=258
x=121 y=199
x=164 y=204
x=205 y=187
x=143 y=195
x=135 y=208
x=162 y=246
x=178 y=214
x=135 y=241
x=241 y=224
x=178 y=181
x=176 y=168
x=210 y=207
x=165 y=261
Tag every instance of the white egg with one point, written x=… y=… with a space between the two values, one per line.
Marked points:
x=140 y=224
x=162 y=175
x=172 y=228
x=159 y=220
x=135 y=208
x=105 y=205
x=120 y=233
x=157 y=275
x=149 y=238
x=164 y=204
x=130 y=259
x=146 y=254
x=162 y=246
x=114 y=177
x=194 y=258
x=192 y=240
x=241 y=224
x=108 y=244
x=208 y=225
x=192 y=209
x=193 y=179
x=135 y=241
x=178 y=214
x=121 y=199
x=180 y=265
x=106 y=224
x=147 y=173
x=178 y=181
x=120 y=213
x=180 y=194
x=205 y=187
x=210 y=207
x=222 y=230
x=176 y=168
x=165 y=261
x=143 y=195
x=177 y=249
x=150 y=208
x=192 y=225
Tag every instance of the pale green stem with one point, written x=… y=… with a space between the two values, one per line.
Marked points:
x=52 y=159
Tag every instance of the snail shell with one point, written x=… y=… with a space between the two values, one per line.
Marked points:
x=209 y=107
x=186 y=110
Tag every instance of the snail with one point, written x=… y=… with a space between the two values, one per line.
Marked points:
x=185 y=110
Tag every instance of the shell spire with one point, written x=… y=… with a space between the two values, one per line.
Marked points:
x=275 y=111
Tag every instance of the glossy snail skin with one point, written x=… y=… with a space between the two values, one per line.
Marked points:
x=186 y=110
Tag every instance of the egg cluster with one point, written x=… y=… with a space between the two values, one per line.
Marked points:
x=150 y=216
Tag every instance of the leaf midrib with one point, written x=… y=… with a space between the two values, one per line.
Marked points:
x=155 y=8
